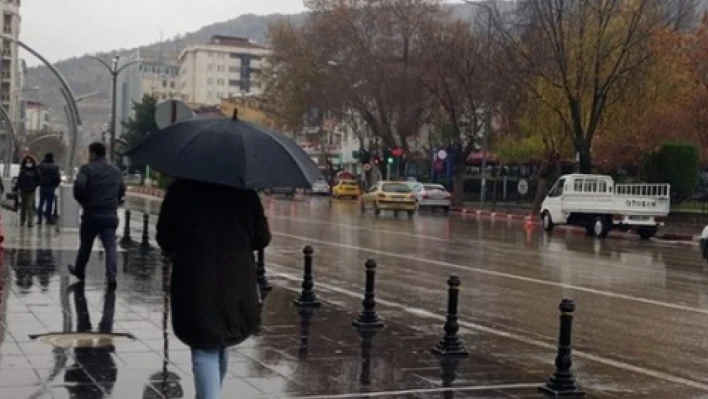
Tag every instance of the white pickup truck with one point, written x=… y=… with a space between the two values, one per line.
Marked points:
x=598 y=204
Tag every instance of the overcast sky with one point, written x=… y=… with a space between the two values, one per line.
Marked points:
x=76 y=27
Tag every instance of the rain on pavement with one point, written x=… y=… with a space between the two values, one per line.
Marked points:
x=637 y=331
x=641 y=306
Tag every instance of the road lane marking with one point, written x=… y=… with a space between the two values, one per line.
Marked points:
x=495 y=273
x=467 y=326
x=414 y=391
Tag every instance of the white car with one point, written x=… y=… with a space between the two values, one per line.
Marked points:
x=432 y=196
x=320 y=188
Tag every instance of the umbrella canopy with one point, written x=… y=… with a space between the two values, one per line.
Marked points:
x=229 y=152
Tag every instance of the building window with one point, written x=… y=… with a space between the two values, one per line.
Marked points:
x=172 y=85
x=234 y=55
x=220 y=81
x=234 y=82
x=234 y=69
x=210 y=94
x=219 y=95
x=220 y=68
x=209 y=81
x=210 y=67
x=164 y=84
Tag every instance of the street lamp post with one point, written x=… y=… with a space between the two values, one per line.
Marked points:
x=114 y=71
x=488 y=116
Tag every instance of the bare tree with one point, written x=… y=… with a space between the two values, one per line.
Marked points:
x=578 y=56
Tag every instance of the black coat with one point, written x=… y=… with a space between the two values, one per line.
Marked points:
x=211 y=232
x=28 y=179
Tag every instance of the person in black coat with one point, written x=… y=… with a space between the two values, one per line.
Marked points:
x=26 y=186
x=211 y=232
x=49 y=180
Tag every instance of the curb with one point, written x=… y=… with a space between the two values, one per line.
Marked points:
x=155 y=192
x=531 y=220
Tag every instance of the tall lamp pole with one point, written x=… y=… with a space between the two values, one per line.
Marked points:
x=488 y=116
x=114 y=70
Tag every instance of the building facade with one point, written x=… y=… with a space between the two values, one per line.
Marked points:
x=224 y=67
x=10 y=79
x=37 y=117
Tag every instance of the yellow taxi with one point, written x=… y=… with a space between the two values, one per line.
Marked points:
x=346 y=188
x=389 y=196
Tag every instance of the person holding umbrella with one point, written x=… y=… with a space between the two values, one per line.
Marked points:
x=211 y=221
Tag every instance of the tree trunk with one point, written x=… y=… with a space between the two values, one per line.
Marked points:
x=541 y=192
x=584 y=159
x=458 y=187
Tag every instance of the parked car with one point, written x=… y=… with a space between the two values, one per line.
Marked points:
x=389 y=196
x=431 y=196
x=288 y=192
x=320 y=187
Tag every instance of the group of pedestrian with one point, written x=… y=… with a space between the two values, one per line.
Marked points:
x=210 y=233
x=46 y=177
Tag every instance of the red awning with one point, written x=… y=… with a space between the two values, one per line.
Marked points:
x=475 y=158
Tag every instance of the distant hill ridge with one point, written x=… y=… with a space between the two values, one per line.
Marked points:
x=86 y=75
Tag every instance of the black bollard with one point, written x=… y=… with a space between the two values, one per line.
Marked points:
x=306 y=316
x=562 y=382
x=368 y=317
x=261 y=278
x=126 y=229
x=367 y=343
x=307 y=296
x=145 y=243
x=450 y=344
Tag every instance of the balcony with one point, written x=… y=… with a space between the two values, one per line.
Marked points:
x=7 y=53
x=7 y=30
x=6 y=76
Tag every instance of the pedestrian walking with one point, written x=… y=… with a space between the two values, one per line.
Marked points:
x=49 y=180
x=26 y=186
x=99 y=189
x=211 y=232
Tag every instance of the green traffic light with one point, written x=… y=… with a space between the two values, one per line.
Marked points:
x=389 y=160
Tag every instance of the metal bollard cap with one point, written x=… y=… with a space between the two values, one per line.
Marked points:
x=454 y=281
x=566 y=306
x=370 y=264
x=308 y=250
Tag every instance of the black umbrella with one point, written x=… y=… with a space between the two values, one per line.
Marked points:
x=229 y=152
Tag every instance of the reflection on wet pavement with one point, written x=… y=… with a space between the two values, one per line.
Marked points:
x=638 y=329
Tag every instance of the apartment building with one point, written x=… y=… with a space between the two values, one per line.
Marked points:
x=10 y=92
x=225 y=67
x=156 y=74
x=36 y=117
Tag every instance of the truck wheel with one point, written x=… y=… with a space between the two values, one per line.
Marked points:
x=601 y=228
x=646 y=233
x=547 y=221
x=362 y=208
x=410 y=214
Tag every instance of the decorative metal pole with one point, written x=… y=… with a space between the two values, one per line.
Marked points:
x=307 y=296
x=450 y=344
x=261 y=272
x=126 y=240
x=562 y=382
x=145 y=243
x=368 y=317
x=306 y=316
x=367 y=343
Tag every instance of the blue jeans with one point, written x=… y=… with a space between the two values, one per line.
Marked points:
x=46 y=204
x=102 y=225
x=209 y=368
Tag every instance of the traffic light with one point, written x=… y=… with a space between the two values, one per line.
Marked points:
x=377 y=160
x=389 y=160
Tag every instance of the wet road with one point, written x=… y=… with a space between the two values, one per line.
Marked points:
x=641 y=306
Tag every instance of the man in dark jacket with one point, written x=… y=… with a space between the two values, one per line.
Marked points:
x=49 y=180
x=211 y=232
x=26 y=186
x=99 y=189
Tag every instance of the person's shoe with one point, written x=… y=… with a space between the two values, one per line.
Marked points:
x=30 y=224
x=112 y=284
x=39 y=222
x=72 y=270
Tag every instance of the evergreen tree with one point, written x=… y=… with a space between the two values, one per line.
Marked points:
x=140 y=124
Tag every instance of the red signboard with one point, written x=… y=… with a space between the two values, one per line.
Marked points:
x=397 y=152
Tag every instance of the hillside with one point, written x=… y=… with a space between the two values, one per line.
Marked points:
x=86 y=75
